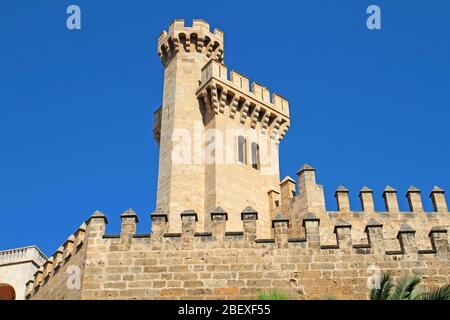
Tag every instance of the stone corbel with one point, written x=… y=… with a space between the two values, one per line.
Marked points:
x=274 y=127
x=265 y=122
x=200 y=42
x=244 y=111
x=282 y=132
x=254 y=116
x=214 y=99
x=176 y=45
x=209 y=49
x=233 y=107
x=223 y=100
x=206 y=99
x=188 y=43
x=219 y=54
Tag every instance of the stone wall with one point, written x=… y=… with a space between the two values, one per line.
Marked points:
x=331 y=253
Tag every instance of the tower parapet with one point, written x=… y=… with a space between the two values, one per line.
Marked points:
x=231 y=95
x=197 y=38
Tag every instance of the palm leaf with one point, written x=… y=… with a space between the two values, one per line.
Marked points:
x=383 y=292
x=416 y=294
x=404 y=289
x=441 y=293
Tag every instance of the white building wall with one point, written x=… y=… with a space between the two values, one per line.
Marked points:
x=17 y=266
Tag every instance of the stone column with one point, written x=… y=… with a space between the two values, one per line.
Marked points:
x=219 y=219
x=287 y=187
x=414 y=200
x=159 y=223
x=309 y=191
x=407 y=238
x=311 y=224
x=68 y=247
x=439 y=240
x=343 y=231
x=366 y=196
x=438 y=198
x=188 y=226
x=374 y=231
x=249 y=217
x=280 y=227
x=128 y=225
x=341 y=196
x=390 y=199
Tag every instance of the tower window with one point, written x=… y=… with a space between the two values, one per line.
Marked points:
x=255 y=156
x=242 y=146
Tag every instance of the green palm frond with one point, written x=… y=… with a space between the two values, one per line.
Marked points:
x=384 y=290
x=416 y=294
x=273 y=295
x=405 y=288
x=441 y=293
x=329 y=297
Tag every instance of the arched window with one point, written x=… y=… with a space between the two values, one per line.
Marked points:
x=255 y=156
x=242 y=146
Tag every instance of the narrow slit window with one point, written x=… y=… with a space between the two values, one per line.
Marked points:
x=255 y=156
x=242 y=143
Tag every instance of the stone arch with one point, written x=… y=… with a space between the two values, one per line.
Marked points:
x=7 y=292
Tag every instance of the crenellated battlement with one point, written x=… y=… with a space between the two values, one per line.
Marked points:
x=58 y=260
x=253 y=105
x=308 y=187
x=321 y=237
x=310 y=199
x=197 y=38
x=108 y=252
x=300 y=224
x=217 y=237
x=389 y=194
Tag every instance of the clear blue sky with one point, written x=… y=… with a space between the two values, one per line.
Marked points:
x=367 y=107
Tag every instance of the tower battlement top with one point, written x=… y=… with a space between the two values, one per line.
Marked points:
x=196 y=38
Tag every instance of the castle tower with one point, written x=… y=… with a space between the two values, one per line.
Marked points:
x=218 y=135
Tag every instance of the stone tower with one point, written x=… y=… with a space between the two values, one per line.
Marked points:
x=218 y=135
